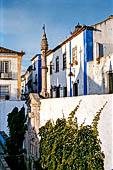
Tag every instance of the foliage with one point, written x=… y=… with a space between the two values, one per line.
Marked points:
x=17 y=128
x=66 y=145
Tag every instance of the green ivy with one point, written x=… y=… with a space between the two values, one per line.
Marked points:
x=67 y=146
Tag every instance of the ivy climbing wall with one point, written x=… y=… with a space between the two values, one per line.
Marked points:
x=56 y=108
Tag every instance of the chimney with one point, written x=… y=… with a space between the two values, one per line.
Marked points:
x=77 y=27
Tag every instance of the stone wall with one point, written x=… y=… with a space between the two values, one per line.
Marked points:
x=31 y=142
x=55 y=108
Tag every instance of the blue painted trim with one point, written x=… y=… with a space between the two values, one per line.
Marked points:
x=3 y=141
x=70 y=67
x=85 y=64
x=85 y=77
x=89 y=41
x=88 y=54
x=39 y=74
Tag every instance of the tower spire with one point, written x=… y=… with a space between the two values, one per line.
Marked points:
x=44 y=48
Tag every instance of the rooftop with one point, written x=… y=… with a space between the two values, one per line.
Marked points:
x=5 y=50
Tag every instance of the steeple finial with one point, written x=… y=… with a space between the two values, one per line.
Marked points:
x=44 y=43
x=43 y=28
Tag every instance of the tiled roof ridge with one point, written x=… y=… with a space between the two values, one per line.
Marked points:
x=6 y=50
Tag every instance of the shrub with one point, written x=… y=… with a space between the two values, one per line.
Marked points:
x=66 y=145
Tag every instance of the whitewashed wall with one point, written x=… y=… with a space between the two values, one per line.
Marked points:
x=98 y=71
x=78 y=70
x=103 y=32
x=62 y=77
x=57 y=77
x=98 y=81
x=5 y=108
x=55 y=108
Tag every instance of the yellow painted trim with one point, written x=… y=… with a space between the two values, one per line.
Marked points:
x=8 y=56
x=19 y=77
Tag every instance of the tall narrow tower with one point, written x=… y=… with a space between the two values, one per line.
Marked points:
x=44 y=48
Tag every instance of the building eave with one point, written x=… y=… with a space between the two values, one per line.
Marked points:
x=99 y=23
x=9 y=51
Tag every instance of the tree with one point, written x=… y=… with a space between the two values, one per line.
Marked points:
x=66 y=145
x=17 y=128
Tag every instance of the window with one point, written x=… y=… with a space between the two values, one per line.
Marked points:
x=50 y=67
x=4 y=69
x=57 y=64
x=99 y=52
x=64 y=61
x=74 y=56
x=4 y=66
x=4 y=92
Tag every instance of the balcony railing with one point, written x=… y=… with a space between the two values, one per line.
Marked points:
x=9 y=75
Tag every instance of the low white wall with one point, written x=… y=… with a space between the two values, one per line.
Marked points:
x=5 y=108
x=55 y=108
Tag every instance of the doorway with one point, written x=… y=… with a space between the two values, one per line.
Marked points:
x=75 y=89
x=110 y=82
x=57 y=92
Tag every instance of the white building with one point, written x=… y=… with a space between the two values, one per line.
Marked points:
x=31 y=80
x=36 y=75
x=26 y=83
x=82 y=64
x=10 y=74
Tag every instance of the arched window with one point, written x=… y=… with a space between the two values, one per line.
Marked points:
x=64 y=61
x=57 y=64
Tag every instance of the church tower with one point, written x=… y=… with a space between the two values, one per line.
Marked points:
x=44 y=49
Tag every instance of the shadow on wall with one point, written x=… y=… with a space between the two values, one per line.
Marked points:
x=103 y=77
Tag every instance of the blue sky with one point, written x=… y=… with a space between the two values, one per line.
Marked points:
x=21 y=22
